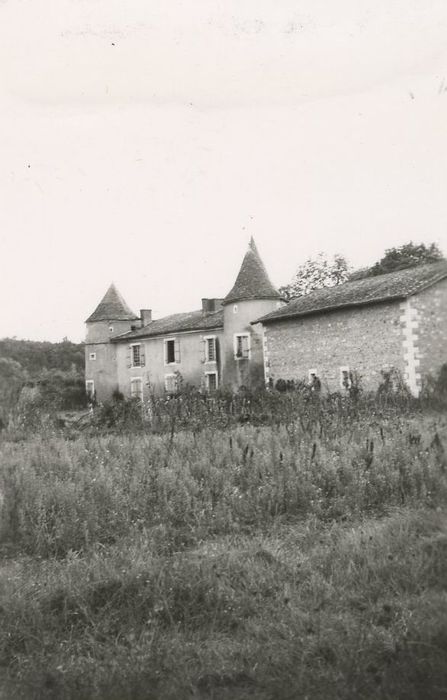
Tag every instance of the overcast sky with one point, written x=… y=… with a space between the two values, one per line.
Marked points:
x=144 y=141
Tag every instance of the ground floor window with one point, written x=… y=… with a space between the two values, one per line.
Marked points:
x=345 y=378
x=136 y=388
x=211 y=381
x=90 y=388
x=171 y=383
x=314 y=380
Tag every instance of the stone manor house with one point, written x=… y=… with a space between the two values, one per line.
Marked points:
x=252 y=337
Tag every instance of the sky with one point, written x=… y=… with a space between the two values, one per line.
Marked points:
x=144 y=142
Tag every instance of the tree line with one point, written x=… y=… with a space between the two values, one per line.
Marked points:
x=55 y=369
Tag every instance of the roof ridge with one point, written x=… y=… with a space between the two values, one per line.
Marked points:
x=369 y=290
x=186 y=321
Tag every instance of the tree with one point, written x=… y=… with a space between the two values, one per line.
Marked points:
x=401 y=258
x=12 y=381
x=316 y=273
x=34 y=356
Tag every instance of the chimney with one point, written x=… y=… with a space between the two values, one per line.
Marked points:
x=209 y=306
x=145 y=316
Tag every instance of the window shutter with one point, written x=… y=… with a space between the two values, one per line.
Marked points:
x=245 y=345
x=177 y=349
x=217 y=349
x=129 y=357
x=142 y=356
x=203 y=344
x=237 y=346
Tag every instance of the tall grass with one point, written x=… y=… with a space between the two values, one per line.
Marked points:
x=61 y=496
x=304 y=559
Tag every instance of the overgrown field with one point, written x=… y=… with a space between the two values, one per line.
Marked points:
x=299 y=560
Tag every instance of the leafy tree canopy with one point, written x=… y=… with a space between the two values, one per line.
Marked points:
x=56 y=368
x=35 y=356
x=401 y=258
x=315 y=273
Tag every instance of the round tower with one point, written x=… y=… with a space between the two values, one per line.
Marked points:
x=111 y=317
x=252 y=296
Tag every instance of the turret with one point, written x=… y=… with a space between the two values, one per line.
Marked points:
x=111 y=317
x=251 y=296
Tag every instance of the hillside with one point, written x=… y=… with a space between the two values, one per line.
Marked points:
x=58 y=369
x=35 y=356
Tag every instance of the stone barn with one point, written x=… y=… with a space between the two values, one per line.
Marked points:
x=397 y=320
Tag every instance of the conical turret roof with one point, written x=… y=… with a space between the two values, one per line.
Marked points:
x=252 y=281
x=112 y=307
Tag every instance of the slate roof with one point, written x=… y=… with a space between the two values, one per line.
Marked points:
x=189 y=321
x=372 y=290
x=112 y=307
x=252 y=281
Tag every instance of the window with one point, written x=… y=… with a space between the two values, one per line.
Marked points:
x=235 y=309
x=136 y=388
x=170 y=383
x=136 y=355
x=92 y=356
x=111 y=329
x=210 y=349
x=242 y=346
x=172 y=351
x=345 y=378
x=314 y=380
x=90 y=388
x=211 y=381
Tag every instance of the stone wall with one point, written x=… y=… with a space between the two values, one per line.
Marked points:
x=367 y=340
x=431 y=328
